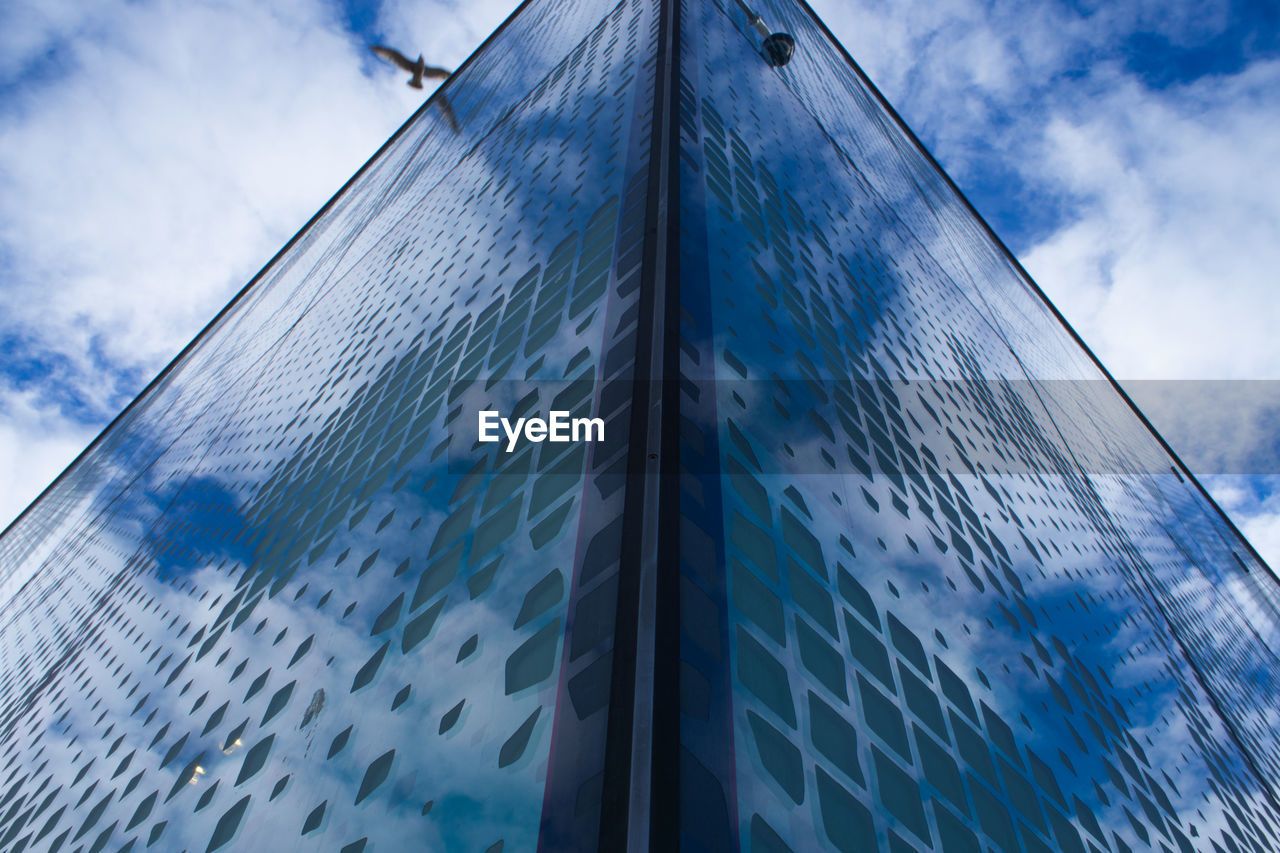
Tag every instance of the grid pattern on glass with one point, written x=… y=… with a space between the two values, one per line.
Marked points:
x=935 y=582
x=283 y=597
x=939 y=588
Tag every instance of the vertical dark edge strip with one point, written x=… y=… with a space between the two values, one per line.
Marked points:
x=707 y=788
x=571 y=819
x=644 y=451
x=664 y=812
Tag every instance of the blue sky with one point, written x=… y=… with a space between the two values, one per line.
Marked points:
x=154 y=155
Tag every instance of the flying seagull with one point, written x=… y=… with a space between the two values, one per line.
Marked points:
x=418 y=69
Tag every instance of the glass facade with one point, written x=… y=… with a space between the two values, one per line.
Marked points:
x=276 y=600
x=873 y=555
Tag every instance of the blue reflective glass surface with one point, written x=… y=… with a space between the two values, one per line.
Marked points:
x=284 y=601
x=943 y=589
x=937 y=586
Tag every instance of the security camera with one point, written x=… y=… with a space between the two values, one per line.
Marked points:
x=777 y=49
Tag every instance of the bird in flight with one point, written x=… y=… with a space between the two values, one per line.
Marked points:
x=418 y=69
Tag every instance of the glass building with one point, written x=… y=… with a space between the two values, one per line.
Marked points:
x=873 y=554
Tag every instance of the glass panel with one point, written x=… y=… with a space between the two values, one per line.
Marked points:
x=1046 y=638
x=286 y=595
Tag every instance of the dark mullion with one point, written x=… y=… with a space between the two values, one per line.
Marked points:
x=646 y=538
x=664 y=805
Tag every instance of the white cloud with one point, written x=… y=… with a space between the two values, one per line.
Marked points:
x=1262 y=529
x=1254 y=504
x=36 y=443
x=954 y=67
x=1168 y=270
x=445 y=33
x=29 y=28
x=152 y=158
x=187 y=144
